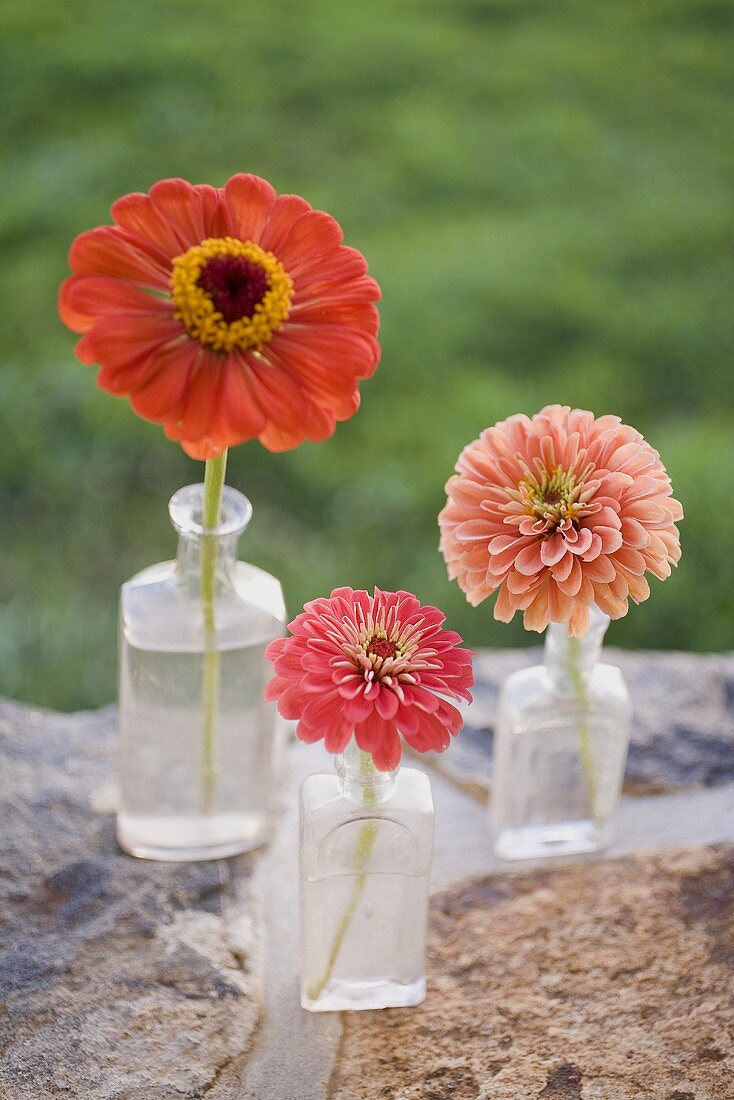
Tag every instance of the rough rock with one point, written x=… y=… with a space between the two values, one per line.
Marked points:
x=683 y=726
x=121 y=979
x=606 y=980
x=130 y=980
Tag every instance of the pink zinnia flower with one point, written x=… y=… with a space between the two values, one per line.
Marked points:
x=558 y=513
x=373 y=667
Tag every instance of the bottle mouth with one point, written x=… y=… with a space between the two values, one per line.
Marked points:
x=598 y=623
x=186 y=509
x=358 y=774
x=377 y=779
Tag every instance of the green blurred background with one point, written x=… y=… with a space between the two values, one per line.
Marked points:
x=542 y=191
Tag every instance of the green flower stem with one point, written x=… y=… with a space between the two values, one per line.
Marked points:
x=585 y=745
x=213 y=484
x=362 y=852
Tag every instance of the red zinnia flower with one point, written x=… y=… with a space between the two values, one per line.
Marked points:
x=225 y=314
x=372 y=666
x=558 y=513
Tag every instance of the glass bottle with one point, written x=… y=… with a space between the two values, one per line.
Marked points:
x=195 y=729
x=560 y=749
x=366 y=844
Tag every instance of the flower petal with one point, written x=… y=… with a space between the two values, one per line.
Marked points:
x=181 y=205
x=312 y=234
x=386 y=704
x=203 y=396
x=240 y=415
x=552 y=549
x=159 y=395
x=108 y=250
x=120 y=338
x=139 y=215
x=529 y=561
x=83 y=299
x=249 y=202
x=285 y=211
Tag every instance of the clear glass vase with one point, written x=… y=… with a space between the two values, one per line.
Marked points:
x=560 y=749
x=366 y=844
x=195 y=729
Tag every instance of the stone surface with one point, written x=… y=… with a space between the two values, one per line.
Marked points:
x=294 y=1053
x=132 y=980
x=606 y=980
x=683 y=727
x=120 y=978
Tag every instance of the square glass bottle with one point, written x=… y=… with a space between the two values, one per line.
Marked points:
x=195 y=730
x=365 y=860
x=560 y=749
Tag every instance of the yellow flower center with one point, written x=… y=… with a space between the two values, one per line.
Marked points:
x=230 y=294
x=552 y=495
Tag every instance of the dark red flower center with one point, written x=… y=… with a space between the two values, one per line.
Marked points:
x=381 y=647
x=234 y=284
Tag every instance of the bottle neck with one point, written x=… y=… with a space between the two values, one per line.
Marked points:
x=360 y=779
x=186 y=509
x=570 y=662
x=188 y=555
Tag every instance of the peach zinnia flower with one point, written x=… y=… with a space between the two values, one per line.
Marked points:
x=373 y=666
x=558 y=513
x=225 y=314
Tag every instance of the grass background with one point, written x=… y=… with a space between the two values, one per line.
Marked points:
x=543 y=192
